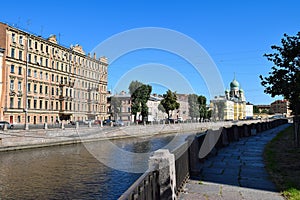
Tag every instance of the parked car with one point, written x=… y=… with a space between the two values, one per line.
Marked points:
x=106 y=122
x=9 y=126
x=119 y=123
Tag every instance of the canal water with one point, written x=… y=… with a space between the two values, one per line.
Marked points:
x=71 y=172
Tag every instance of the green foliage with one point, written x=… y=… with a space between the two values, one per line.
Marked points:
x=169 y=102
x=284 y=79
x=140 y=93
x=116 y=104
x=255 y=109
x=193 y=106
x=134 y=85
x=202 y=107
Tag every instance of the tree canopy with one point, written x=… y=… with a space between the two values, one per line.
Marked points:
x=140 y=93
x=169 y=102
x=193 y=106
x=284 y=79
x=202 y=107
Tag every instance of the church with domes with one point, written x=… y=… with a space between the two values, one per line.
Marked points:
x=233 y=105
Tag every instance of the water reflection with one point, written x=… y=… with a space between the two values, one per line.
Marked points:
x=70 y=172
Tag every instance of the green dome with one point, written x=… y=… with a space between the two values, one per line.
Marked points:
x=241 y=90
x=226 y=91
x=234 y=84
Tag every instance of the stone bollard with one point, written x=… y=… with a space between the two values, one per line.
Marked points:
x=164 y=161
x=77 y=125
x=90 y=124
x=45 y=126
x=101 y=123
x=5 y=127
x=62 y=126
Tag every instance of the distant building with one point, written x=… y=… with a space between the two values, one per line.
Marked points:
x=249 y=111
x=280 y=107
x=120 y=106
x=232 y=106
x=154 y=114
x=263 y=108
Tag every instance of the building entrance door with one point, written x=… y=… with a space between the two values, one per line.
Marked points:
x=11 y=119
x=34 y=120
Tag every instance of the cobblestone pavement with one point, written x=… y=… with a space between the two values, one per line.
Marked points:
x=236 y=172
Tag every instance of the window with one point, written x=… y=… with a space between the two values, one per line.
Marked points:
x=20 y=55
x=19 y=103
x=29 y=87
x=29 y=58
x=47 y=76
x=30 y=44
x=21 y=40
x=35 y=59
x=51 y=105
x=47 y=49
x=20 y=71
x=56 y=106
x=11 y=105
x=57 y=91
x=19 y=86
x=12 y=53
x=28 y=119
x=34 y=104
x=12 y=81
x=41 y=119
x=46 y=89
x=41 y=61
x=46 y=119
x=46 y=105
x=41 y=89
x=35 y=45
x=35 y=88
x=41 y=104
x=41 y=75
x=29 y=72
x=29 y=104
x=56 y=78
x=35 y=74
x=52 y=91
x=42 y=47
x=12 y=69
x=19 y=119
x=13 y=37
x=46 y=62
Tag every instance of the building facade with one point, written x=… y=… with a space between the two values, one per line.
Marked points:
x=280 y=107
x=232 y=106
x=43 y=81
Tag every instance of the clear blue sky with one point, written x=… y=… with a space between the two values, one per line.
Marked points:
x=236 y=34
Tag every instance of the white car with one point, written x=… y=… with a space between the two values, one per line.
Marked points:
x=9 y=126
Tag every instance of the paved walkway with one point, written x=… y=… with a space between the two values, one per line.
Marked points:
x=237 y=172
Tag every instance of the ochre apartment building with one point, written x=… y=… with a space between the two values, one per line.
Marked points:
x=62 y=83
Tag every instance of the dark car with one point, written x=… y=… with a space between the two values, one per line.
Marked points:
x=106 y=122
x=2 y=123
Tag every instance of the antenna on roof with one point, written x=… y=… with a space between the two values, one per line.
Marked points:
x=28 y=22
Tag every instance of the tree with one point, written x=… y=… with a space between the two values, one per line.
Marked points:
x=169 y=102
x=284 y=79
x=116 y=104
x=202 y=107
x=255 y=109
x=193 y=106
x=134 y=85
x=140 y=93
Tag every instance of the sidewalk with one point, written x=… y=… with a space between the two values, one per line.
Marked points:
x=237 y=172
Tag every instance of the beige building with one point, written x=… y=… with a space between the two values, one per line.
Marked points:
x=47 y=81
x=232 y=106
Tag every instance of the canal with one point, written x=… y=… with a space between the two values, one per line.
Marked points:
x=73 y=171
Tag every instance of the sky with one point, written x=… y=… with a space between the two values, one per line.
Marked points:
x=233 y=34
